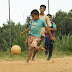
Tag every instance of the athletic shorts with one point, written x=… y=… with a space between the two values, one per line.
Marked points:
x=33 y=41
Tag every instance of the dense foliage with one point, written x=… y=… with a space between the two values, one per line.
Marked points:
x=63 y=34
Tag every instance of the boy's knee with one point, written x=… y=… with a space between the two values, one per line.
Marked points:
x=31 y=49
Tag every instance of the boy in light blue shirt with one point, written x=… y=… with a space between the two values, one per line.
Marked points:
x=36 y=27
x=35 y=33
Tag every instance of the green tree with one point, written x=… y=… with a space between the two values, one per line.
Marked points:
x=64 y=22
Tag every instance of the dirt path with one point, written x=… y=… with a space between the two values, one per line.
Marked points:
x=39 y=65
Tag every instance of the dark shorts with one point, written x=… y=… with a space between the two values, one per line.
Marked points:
x=48 y=43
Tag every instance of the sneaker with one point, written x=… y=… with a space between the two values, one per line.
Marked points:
x=46 y=52
x=48 y=58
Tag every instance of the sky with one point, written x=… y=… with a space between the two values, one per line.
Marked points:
x=20 y=9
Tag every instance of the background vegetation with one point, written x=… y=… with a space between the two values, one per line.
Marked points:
x=62 y=44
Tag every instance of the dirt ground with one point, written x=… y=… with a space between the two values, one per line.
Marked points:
x=39 y=65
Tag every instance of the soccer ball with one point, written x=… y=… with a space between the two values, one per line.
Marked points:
x=15 y=50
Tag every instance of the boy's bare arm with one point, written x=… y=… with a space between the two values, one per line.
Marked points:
x=25 y=31
x=45 y=32
x=53 y=29
x=49 y=32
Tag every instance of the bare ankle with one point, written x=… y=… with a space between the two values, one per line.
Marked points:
x=33 y=59
x=27 y=61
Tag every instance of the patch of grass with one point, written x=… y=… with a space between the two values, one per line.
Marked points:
x=8 y=56
x=40 y=55
x=55 y=54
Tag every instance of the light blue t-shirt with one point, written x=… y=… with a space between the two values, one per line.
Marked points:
x=36 y=27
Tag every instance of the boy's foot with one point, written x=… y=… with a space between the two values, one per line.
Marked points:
x=42 y=48
x=46 y=52
x=48 y=58
x=26 y=62
x=33 y=59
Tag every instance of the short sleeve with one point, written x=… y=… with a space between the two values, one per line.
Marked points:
x=44 y=24
x=54 y=25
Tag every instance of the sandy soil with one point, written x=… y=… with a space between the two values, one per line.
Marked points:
x=39 y=65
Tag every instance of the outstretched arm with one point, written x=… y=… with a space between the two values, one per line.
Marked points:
x=53 y=29
x=25 y=31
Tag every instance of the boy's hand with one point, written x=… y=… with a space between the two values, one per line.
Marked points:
x=22 y=34
x=52 y=38
x=45 y=32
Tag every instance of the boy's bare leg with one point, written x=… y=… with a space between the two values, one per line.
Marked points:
x=36 y=50
x=34 y=54
x=40 y=48
x=29 y=55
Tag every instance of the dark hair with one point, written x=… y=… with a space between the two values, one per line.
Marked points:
x=49 y=15
x=35 y=12
x=43 y=6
